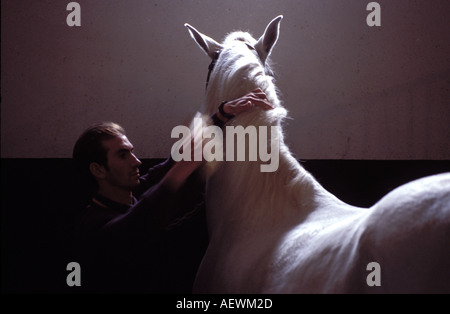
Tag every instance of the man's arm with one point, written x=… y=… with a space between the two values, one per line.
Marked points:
x=152 y=211
x=153 y=176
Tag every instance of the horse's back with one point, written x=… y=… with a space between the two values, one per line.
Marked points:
x=418 y=204
x=408 y=235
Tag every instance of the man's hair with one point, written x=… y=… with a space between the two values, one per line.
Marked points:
x=89 y=149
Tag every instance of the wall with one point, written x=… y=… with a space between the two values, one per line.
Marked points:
x=353 y=91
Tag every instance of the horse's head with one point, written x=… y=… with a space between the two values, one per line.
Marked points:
x=239 y=65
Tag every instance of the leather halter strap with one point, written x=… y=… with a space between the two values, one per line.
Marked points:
x=211 y=67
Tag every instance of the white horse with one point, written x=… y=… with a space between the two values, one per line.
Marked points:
x=282 y=232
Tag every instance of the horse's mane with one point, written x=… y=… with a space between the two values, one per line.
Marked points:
x=238 y=71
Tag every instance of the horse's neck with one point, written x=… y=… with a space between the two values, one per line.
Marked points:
x=240 y=197
x=243 y=200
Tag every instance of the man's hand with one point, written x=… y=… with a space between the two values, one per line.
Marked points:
x=256 y=98
x=183 y=169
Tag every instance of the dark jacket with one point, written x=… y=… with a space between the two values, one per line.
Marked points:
x=140 y=248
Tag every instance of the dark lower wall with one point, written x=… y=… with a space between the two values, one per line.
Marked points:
x=40 y=199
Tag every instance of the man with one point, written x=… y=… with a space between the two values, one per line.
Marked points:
x=123 y=243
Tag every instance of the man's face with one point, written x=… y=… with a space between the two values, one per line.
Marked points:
x=123 y=166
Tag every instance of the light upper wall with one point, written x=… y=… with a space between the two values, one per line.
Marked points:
x=352 y=91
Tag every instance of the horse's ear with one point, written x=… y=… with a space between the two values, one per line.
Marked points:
x=269 y=38
x=208 y=45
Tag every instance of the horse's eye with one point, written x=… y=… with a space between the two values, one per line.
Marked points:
x=250 y=46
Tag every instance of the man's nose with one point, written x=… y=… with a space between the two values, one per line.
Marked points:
x=136 y=161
